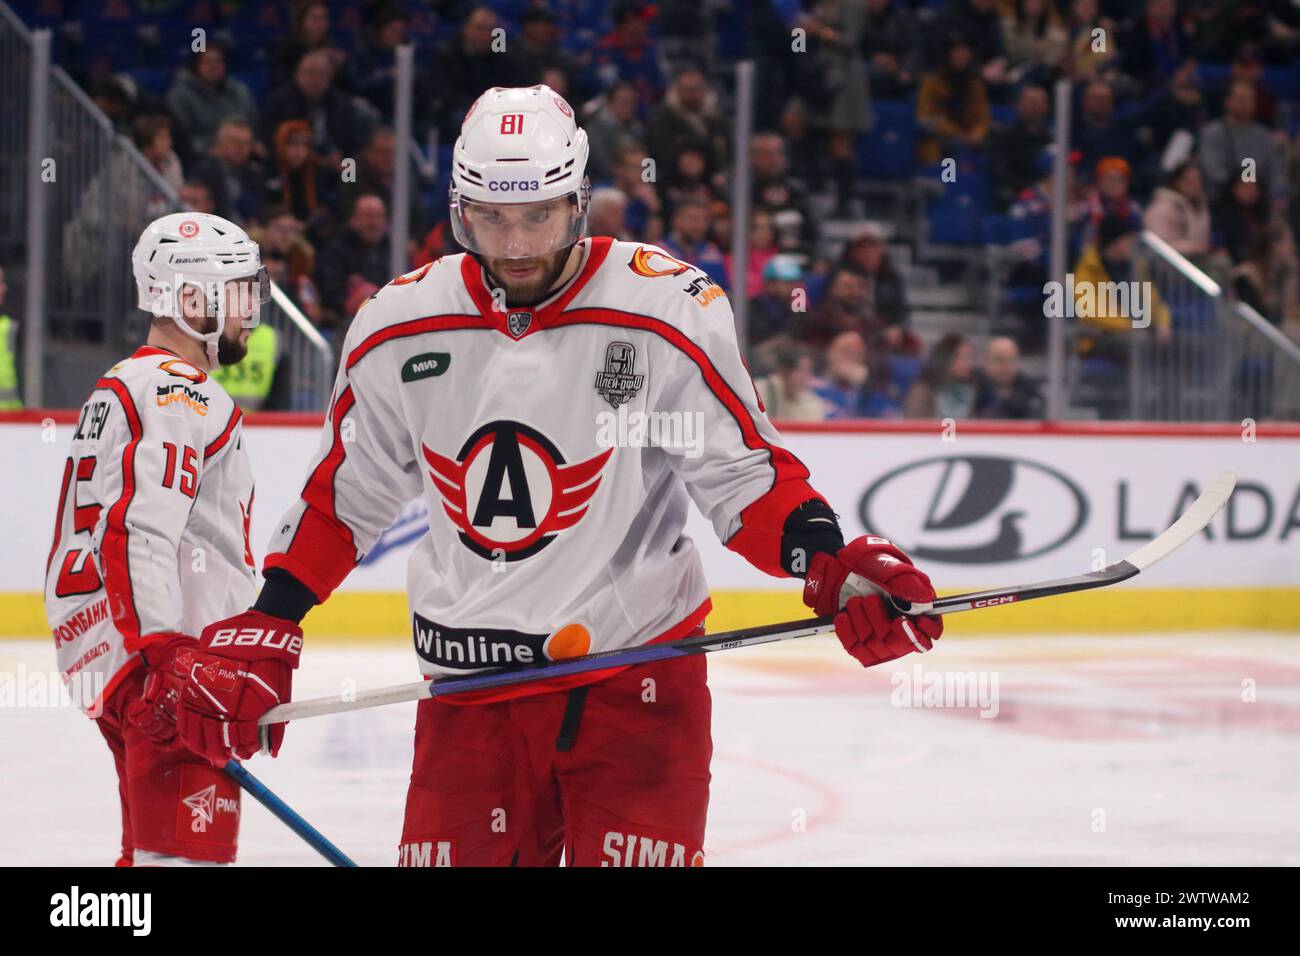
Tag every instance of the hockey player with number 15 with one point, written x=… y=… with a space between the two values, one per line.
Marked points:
x=486 y=383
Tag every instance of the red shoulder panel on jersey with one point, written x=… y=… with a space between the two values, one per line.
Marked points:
x=219 y=442
x=762 y=522
x=114 y=552
x=322 y=551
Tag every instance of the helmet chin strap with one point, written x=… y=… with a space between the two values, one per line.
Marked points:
x=210 y=340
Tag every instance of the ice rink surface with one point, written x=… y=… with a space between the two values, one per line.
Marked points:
x=1163 y=750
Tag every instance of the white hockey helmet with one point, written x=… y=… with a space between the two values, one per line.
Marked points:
x=200 y=250
x=519 y=147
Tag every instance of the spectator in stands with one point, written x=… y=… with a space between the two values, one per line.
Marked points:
x=1241 y=214
x=469 y=64
x=375 y=173
x=1180 y=215
x=1002 y=389
x=952 y=106
x=237 y=182
x=10 y=391
x=627 y=52
x=113 y=100
x=845 y=386
x=762 y=247
x=1268 y=278
x=804 y=149
x=787 y=393
x=979 y=24
x=946 y=386
x=835 y=28
x=152 y=135
x=311 y=31
x=1109 y=195
x=290 y=259
x=1110 y=260
x=1226 y=146
x=1036 y=40
x=783 y=195
x=196 y=196
x=1099 y=130
x=298 y=179
x=1156 y=44
x=339 y=129
x=538 y=51
x=688 y=240
x=607 y=213
x=891 y=45
x=843 y=308
x=355 y=262
x=774 y=311
x=203 y=96
x=1015 y=149
x=374 y=61
x=1247 y=67
x=633 y=177
x=1092 y=54
x=885 y=314
x=687 y=179
x=688 y=118
x=613 y=125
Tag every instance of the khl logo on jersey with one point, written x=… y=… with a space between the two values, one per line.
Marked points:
x=509 y=490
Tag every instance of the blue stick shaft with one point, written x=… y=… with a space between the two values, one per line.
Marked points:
x=287 y=815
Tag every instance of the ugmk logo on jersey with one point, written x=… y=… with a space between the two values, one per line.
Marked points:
x=509 y=490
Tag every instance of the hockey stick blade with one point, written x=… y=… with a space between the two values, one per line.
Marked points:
x=1191 y=523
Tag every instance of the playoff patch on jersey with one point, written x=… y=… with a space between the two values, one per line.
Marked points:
x=618 y=381
x=510 y=491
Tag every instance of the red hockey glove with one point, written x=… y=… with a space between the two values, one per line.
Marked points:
x=167 y=657
x=870 y=629
x=242 y=667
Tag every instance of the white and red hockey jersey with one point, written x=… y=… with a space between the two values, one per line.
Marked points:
x=151 y=534
x=557 y=449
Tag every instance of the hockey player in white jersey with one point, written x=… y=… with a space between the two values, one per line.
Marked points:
x=151 y=535
x=493 y=383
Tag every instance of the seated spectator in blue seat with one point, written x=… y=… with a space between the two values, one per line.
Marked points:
x=355 y=262
x=688 y=240
x=1014 y=149
x=237 y=181
x=645 y=212
x=847 y=383
x=892 y=48
x=614 y=124
x=374 y=62
x=952 y=106
x=946 y=386
x=338 y=128
x=774 y=310
x=298 y=179
x=787 y=394
x=203 y=96
x=1002 y=389
x=311 y=31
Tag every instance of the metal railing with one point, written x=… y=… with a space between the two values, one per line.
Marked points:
x=74 y=197
x=1220 y=360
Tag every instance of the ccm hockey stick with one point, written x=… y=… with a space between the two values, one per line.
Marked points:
x=1191 y=523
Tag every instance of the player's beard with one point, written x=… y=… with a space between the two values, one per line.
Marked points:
x=230 y=350
x=530 y=292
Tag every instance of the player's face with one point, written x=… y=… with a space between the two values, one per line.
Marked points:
x=241 y=305
x=525 y=245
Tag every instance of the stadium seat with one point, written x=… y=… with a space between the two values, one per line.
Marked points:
x=887 y=151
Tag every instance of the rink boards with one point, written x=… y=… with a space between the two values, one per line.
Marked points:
x=978 y=505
